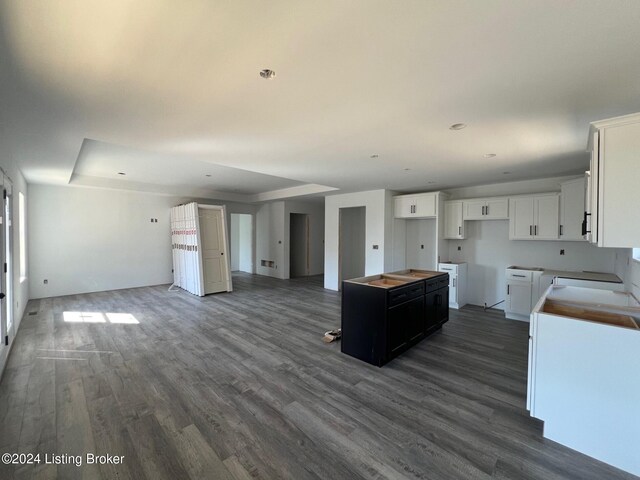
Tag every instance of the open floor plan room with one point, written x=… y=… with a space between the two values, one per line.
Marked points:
x=319 y=240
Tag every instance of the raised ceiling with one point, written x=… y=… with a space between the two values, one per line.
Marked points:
x=178 y=83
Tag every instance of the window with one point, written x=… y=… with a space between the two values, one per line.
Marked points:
x=23 y=237
x=636 y=254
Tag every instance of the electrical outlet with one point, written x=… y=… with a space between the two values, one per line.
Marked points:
x=421 y=247
x=459 y=248
x=375 y=247
x=46 y=281
x=562 y=251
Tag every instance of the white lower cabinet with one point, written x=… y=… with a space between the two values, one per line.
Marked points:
x=457 y=283
x=522 y=292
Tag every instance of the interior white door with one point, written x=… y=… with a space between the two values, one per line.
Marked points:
x=214 y=260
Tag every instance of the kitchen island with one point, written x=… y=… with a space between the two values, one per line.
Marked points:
x=384 y=315
x=583 y=380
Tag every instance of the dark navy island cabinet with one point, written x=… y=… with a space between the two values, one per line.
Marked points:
x=384 y=315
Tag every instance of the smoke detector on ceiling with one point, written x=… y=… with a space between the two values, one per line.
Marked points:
x=266 y=73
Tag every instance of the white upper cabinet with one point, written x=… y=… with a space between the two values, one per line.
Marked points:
x=422 y=205
x=404 y=206
x=486 y=209
x=572 y=198
x=534 y=217
x=453 y=223
x=615 y=180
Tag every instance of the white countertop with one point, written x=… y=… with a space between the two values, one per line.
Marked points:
x=593 y=276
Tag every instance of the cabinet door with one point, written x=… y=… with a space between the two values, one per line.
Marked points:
x=497 y=209
x=415 y=321
x=425 y=205
x=431 y=310
x=401 y=324
x=453 y=224
x=443 y=305
x=521 y=218
x=473 y=209
x=592 y=220
x=453 y=289
x=547 y=217
x=572 y=198
x=519 y=298
x=404 y=207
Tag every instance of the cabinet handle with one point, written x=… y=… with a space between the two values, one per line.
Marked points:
x=507 y=289
x=560 y=230
x=584 y=224
x=535 y=230
x=459 y=230
x=487 y=209
x=531 y=230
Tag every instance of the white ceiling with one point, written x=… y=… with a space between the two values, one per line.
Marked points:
x=175 y=85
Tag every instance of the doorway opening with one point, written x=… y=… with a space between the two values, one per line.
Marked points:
x=241 y=239
x=299 y=262
x=352 y=248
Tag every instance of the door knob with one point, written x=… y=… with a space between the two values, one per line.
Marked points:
x=2 y=295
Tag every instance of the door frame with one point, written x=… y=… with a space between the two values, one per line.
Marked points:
x=307 y=240
x=7 y=287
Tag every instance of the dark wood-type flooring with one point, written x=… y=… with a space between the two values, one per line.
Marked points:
x=240 y=386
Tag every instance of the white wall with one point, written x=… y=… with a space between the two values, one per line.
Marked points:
x=234 y=243
x=20 y=288
x=378 y=229
x=89 y=239
x=315 y=210
x=628 y=269
x=419 y=233
x=488 y=251
x=270 y=239
x=245 y=236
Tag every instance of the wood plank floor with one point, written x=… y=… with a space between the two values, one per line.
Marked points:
x=240 y=386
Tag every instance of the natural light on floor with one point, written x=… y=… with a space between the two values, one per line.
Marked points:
x=98 y=317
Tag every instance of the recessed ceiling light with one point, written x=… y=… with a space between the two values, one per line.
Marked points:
x=267 y=74
x=489 y=155
x=121 y=173
x=506 y=173
x=208 y=175
x=431 y=182
x=407 y=169
x=375 y=155
x=457 y=126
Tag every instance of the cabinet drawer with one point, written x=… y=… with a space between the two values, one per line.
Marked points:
x=520 y=275
x=403 y=294
x=431 y=285
x=448 y=267
x=443 y=282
